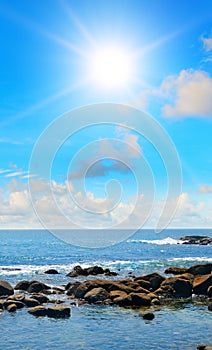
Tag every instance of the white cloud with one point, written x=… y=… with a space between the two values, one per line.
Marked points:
x=205 y=189
x=207 y=42
x=189 y=94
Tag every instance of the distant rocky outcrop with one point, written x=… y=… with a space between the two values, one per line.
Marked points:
x=201 y=240
x=93 y=270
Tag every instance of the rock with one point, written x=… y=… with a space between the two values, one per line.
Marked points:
x=36 y=287
x=17 y=297
x=38 y=311
x=95 y=270
x=155 y=301
x=176 y=287
x=175 y=270
x=96 y=294
x=1 y=305
x=6 y=288
x=117 y=294
x=139 y=299
x=18 y=304
x=210 y=307
x=202 y=269
x=77 y=271
x=41 y=298
x=59 y=311
x=22 y=285
x=148 y=316
x=30 y=302
x=142 y=283
x=209 y=292
x=202 y=240
x=11 y=308
x=201 y=284
x=123 y=301
x=204 y=347
x=72 y=287
x=155 y=280
x=52 y=272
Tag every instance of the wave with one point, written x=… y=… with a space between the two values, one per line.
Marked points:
x=163 y=241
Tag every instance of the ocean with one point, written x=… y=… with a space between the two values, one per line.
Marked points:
x=27 y=254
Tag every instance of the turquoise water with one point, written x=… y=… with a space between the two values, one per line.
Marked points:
x=27 y=254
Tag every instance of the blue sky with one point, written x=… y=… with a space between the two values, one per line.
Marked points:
x=47 y=48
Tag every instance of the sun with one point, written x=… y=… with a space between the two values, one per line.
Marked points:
x=110 y=67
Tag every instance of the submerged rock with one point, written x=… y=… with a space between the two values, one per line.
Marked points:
x=148 y=316
x=51 y=272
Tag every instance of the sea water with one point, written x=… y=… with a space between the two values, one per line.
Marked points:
x=28 y=254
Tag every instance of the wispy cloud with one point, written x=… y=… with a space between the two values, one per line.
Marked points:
x=16 y=173
x=10 y=141
x=205 y=189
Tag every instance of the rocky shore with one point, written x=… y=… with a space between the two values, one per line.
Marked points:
x=145 y=292
x=200 y=240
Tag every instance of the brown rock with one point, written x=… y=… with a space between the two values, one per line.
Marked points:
x=117 y=294
x=22 y=285
x=176 y=287
x=175 y=270
x=36 y=287
x=59 y=311
x=51 y=272
x=18 y=304
x=72 y=287
x=17 y=297
x=123 y=301
x=155 y=280
x=139 y=299
x=201 y=284
x=11 y=308
x=96 y=294
x=38 y=311
x=30 y=302
x=142 y=283
x=209 y=292
x=40 y=297
x=6 y=288
x=203 y=269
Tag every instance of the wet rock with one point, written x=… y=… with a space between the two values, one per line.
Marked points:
x=123 y=301
x=176 y=287
x=175 y=270
x=51 y=272
x=30 y=302
x=93 y=270
x=96 y=294
x=38 y=311
x=204 y=347
x=18 y=304
x=77 y=271
x=1 y=305
x=155 y=280
x=201 y=284
x=17 y=297
x=148 y=316
x=117 y=294
x=209 y=292
x=200 y=269
x=36 y=287
x=139 y=299
x=210 y=307
x=11 y=308
x=40 y=297
x=59 y=311
x=201 y=240
x=155 y=301
x=6 y=288
x=22 y=285
x=72 y=287
x=142 y=283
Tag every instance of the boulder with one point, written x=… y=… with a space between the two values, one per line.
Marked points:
x=210 y=307
x=140 y=299
x=201 y=284
x=11 y=308
x=124 y=301
x=176 y=287
x=142 y=283
x=209 y=292
x=202 y=269
x=6 y=288
x=155 y=280
x=51 y=272
x=204 y=347
x=30 y=302
x=96 y=294
x=41 y=298
x=117 y=294
x=175 y=270
x=38 y=311
x=77 y=271
x=59 y=311
x=93 y=270
x=22 y=285
x=148 y=316
x=18 y=304
x=72 y=287
x=17 y=297
x=36 y=287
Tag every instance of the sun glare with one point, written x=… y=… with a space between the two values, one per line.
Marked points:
x=110 y=67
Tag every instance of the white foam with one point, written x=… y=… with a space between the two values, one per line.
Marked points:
x=163 y=241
